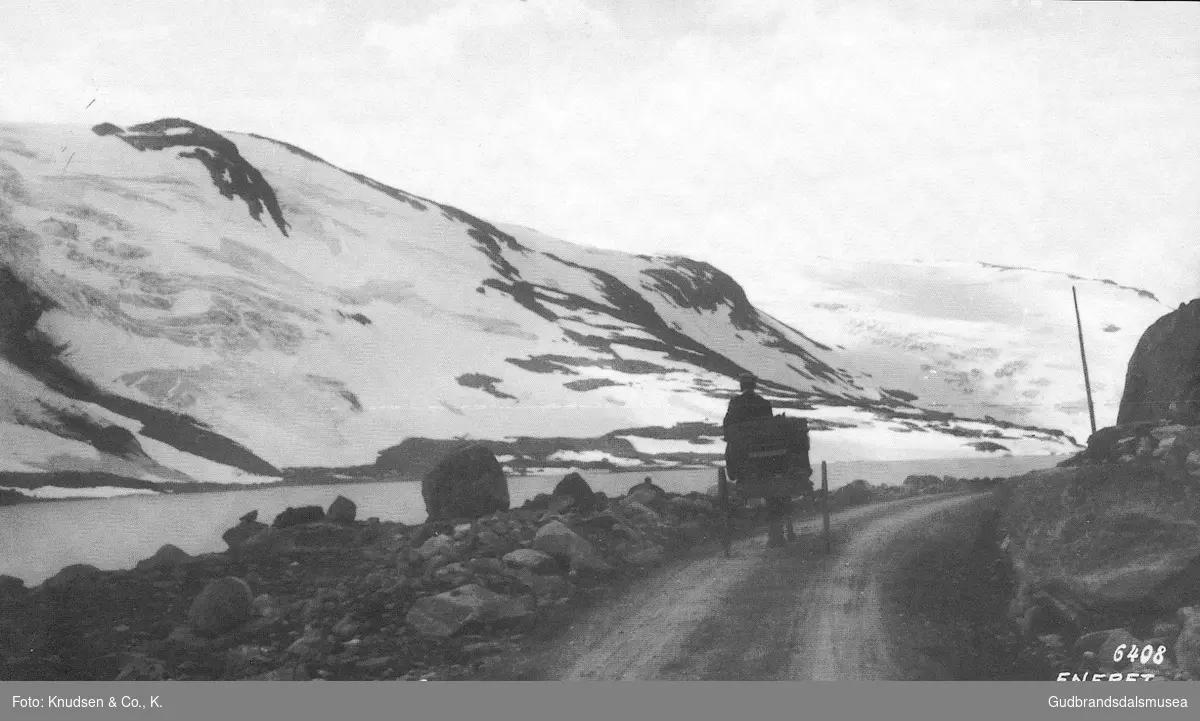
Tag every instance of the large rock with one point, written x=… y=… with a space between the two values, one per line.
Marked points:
x=559 y=541
x=342 y=510
x=647 y=494
x=69 y=575
x=531 y=559
x=299 y=516
x=467 y=607
x=1165 y=370
x=439 y=545
x=641 y=512
x=467 y=483
x=11 y=586
x=1187 y=645
x=242 y=532
x=165 y=557
x=266 y=542
x=223 y=605
x=576 y=488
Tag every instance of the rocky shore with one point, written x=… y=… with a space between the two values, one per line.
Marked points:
x=320 y=594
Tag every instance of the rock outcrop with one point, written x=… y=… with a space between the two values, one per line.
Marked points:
x=1163 y=379
x=577 y=489
x=166 y=556
x=467 y=483
x=299 y=516
x=342 y=510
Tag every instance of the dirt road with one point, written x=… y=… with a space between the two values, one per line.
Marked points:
x=764 y=614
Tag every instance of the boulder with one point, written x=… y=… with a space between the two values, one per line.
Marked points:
x=299 y=516
x=652 y=497
x=540 y=502
x=1163 y=370
x=268 y=541
x=575 y=487
x=556 y=539
x=1187 y=644
x=451 y=575
x=342 y=510
x=467 y=483
x=165 y=557
x=640 y=512
x=439 y=545
x=560 y=504
x=602 y=521
x=469 y=606
x=647 y=485
x=11 y=586
x=250 y=517
x=490 y=543
x=244 y=531
x=427 y=531
x=486 y=566
x=535 y=561
x=223 y=605
x=69 y=575
x=559 y=541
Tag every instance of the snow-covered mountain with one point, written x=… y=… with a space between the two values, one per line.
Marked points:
x=980 y=339
x=184 y=305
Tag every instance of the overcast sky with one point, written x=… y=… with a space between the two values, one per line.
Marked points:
x=748 y=133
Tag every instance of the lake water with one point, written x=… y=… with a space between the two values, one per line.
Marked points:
x=38 y=539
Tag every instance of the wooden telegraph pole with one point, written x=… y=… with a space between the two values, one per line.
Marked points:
x=1087 y=384
x=825 y=503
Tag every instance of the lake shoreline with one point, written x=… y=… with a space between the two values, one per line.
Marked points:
x=351 y=599
x=11 y=495
x=11 y=492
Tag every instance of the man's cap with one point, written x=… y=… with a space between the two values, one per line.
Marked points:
x=747 y=379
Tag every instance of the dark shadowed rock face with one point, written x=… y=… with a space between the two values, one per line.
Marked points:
x=575 y=487
x=1165 y=370
x=342 y=510
x=467 y=483
x=166 y=556
x=244 y=531
x=69 y=575
x=299 y=516
x=230 y=172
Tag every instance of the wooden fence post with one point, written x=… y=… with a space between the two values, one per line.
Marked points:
x=825 y=503
x=723 y=494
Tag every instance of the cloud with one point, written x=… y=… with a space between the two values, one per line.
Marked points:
x=894 y=129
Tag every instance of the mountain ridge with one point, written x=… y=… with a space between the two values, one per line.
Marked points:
x=332 y=316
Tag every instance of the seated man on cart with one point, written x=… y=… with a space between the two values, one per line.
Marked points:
x=749 y=406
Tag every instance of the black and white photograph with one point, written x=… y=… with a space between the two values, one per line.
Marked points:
x=597 y=340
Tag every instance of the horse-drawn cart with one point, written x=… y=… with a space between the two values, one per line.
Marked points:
x=766 y=458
